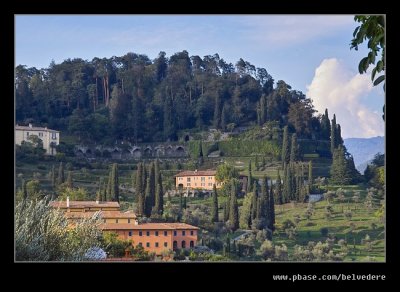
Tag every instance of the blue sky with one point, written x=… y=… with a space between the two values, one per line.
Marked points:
x=290 y=47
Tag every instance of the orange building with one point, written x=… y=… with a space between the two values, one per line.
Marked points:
x=156 y=237
x=198 y=179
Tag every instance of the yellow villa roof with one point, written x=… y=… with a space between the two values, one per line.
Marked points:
x=146 y=226
x=197 y=173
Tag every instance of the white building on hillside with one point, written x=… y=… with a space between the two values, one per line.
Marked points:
x=50 y=138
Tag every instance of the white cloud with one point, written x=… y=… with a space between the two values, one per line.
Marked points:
x=341 y=91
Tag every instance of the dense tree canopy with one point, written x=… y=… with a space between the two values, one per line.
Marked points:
x=137 y=99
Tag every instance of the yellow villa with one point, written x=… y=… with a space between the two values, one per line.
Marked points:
x=198 y=179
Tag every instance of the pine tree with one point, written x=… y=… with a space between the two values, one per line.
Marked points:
x=114 y=183
x=263 y=161
x=69 y=180
x=333 y=134
x=214 y=208
x=234 y=210
x=285 y=146
x=159 y=200
x=53 y=177
x=140 y=196
x=250 y=179
x=60 y=178
x=254 y=202
x=278 y=189
x=294 y=149
x=293 y=184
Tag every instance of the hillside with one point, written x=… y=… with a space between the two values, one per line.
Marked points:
x=364 y=149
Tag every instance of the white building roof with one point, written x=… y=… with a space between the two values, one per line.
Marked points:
x=31 y=128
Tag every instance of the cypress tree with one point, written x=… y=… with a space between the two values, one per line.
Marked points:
x=263 y=161
x=250 y=178
x=266 y=200
x=285 y=146
x=226 y=209
x=147 y=201
x=333 y=134
x=69 y=180
x=214 y=208
x=278 y=189
x=234 y=210
x=114 y=183
x=325 y=126
x=140 y=197
x=271 y=209
x=339 y=140
x=53 y=177
x=254 y=202
x=310 y=175
x=144 y=177
x=159 y=200
x=109 y=184
x=293 y=184
x=217 y=112
x=180 y=202
x=294 y=150
x=60 y=178
x=224 y=116
x=201 y=158
x=256 y=165
x=287 y=185
x=184 y=202
x=24 y=190
x=152 y=179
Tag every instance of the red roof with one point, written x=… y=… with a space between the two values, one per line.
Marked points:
x=84 y=204
x=146 y=226
x=197 y=173
x=103 y=214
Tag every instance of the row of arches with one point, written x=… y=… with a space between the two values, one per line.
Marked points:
x=136 y=152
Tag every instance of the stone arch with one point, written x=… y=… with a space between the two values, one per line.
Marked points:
x=88 y=151
x=168 y=151
x=180 y=151
x=116 y=153
x=148 y=151
x=159 y=151
x=106 y=153
x=136 y=153
x=126 y=153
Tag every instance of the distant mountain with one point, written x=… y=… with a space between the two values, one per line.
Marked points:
x=364 y=149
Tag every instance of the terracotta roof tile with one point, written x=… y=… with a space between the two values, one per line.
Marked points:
x=197 y=173
x=146 y=226
x=83 y=204
x=104 y=214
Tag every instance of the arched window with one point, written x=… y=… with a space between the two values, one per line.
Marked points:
x=191 y=243
x=183 y=244
x=175 y=244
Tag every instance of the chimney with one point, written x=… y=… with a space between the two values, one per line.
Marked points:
x=30 y=125
x=97 y=201
x=195 y=171
x=136 y=222
x=67 y=201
